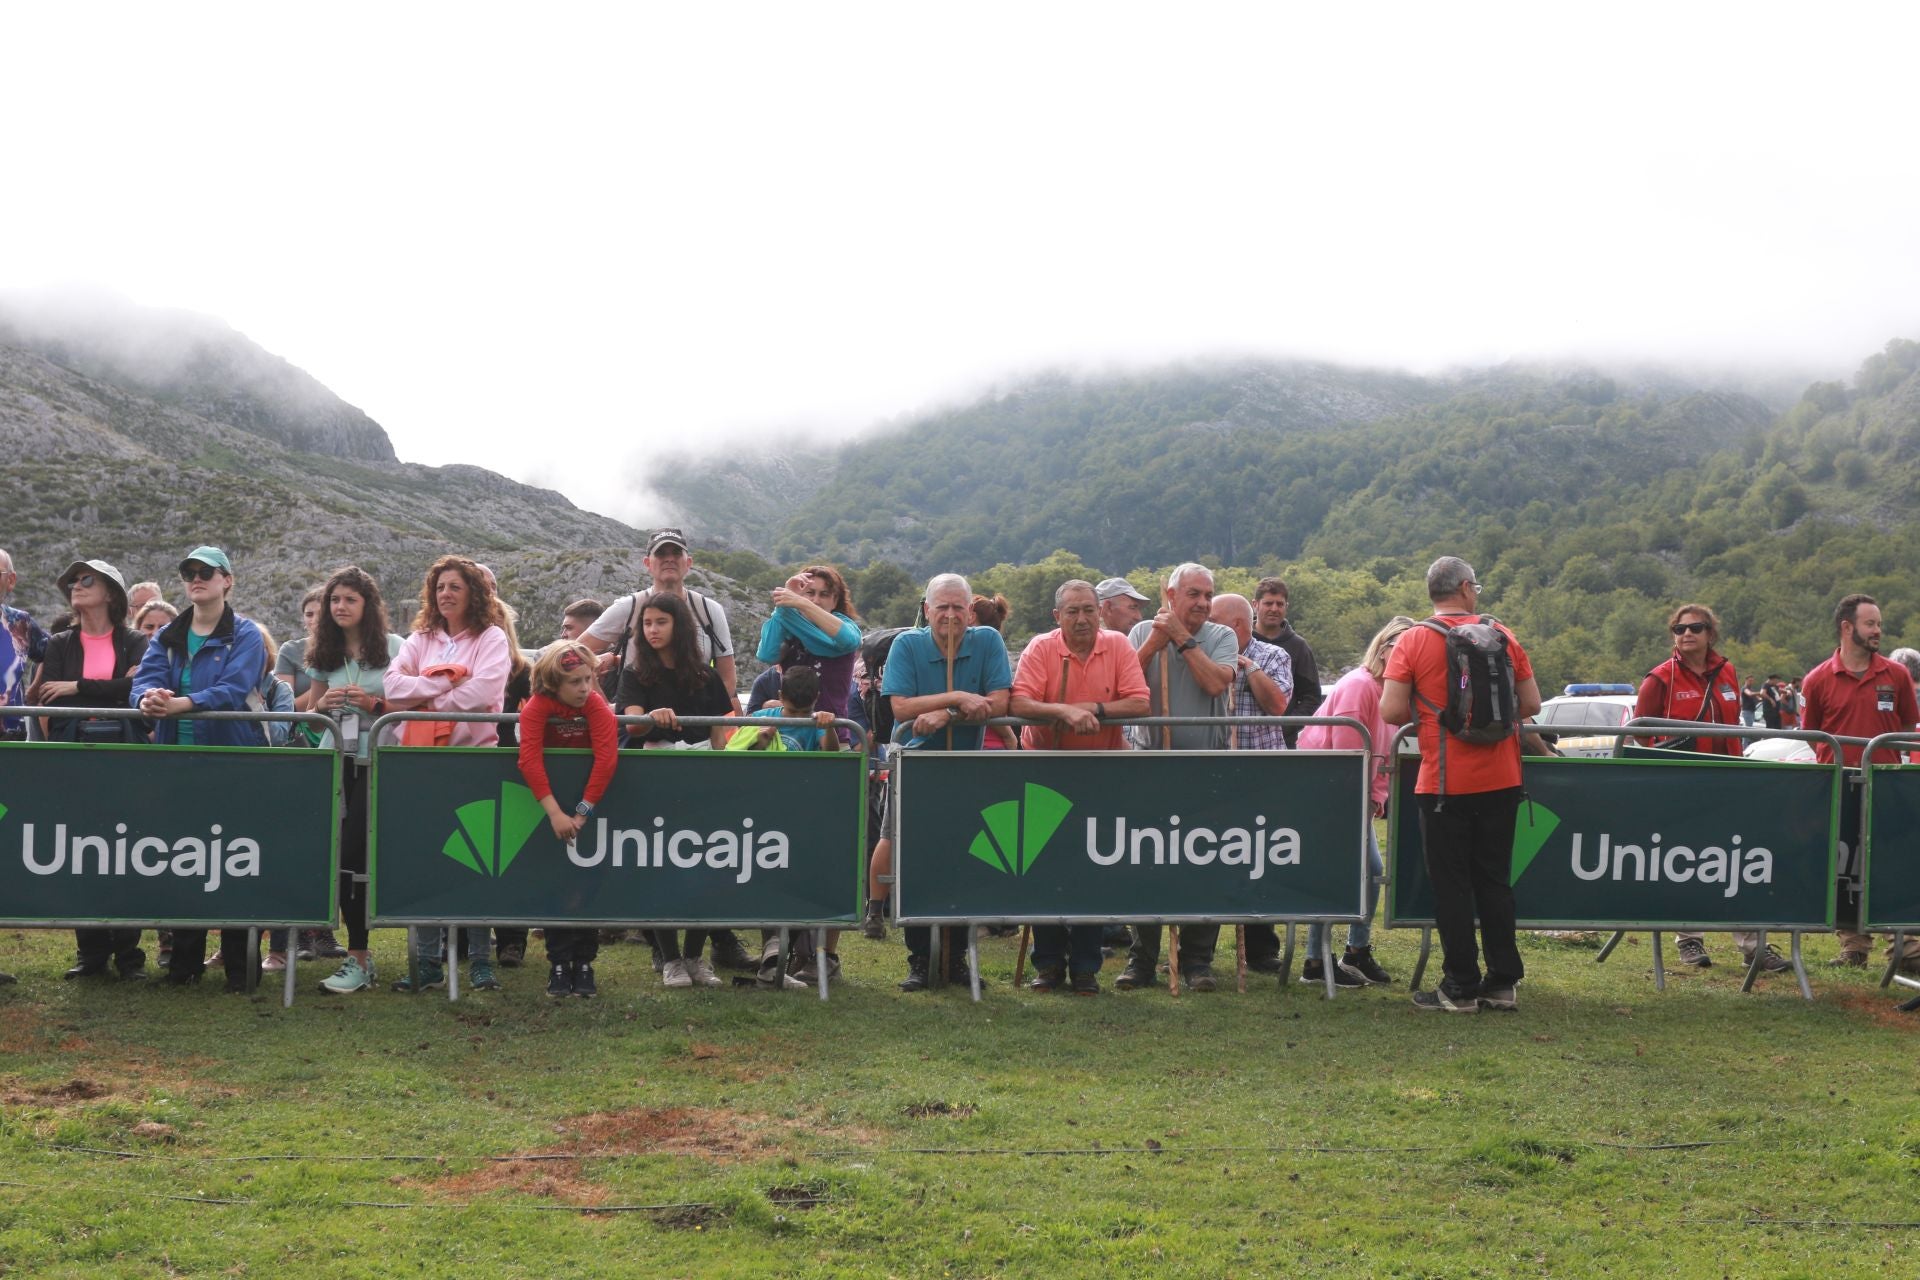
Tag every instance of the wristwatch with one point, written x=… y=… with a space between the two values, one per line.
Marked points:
x=953 y=713
x=1188 y=643
x=583 y=809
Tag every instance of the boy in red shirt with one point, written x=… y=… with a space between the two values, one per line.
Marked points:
x=563 y=690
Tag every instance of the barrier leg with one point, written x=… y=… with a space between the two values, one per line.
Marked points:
x=453 y=962
x=1326 y=956
x=1893 y=961
x=1286 y=958
x=286 y=995
x=1240 y=958
x=1607 y=950
x=1173 y=959
x=1753 y=965
x=1799 y=968
x=820 y=963
x=1659 y=964
x=973 y=963
x=253 y=957
x=786 y=958
x=1020 y=959
x=1420 y=965
x=413 y=961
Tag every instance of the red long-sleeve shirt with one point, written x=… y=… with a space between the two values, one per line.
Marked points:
x=547 y=722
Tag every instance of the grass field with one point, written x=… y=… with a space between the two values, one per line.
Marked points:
x=1606 y=1129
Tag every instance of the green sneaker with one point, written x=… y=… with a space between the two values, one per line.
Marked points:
x=481 y=977
x=432 y=978
x=351 y=976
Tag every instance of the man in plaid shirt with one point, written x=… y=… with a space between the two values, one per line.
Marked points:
x=1262 y=679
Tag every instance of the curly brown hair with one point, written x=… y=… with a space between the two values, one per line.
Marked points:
x=842 y=598
x=483 y=607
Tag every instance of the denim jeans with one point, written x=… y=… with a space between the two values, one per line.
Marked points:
x=1360 y=934
x=479 y=945
x=1073 y=947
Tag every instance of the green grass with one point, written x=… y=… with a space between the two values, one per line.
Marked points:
x=887 y=1135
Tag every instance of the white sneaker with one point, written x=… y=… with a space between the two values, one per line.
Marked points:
x=703 y=974
x=674 y=974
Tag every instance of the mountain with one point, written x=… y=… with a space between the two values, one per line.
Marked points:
x=137 y=459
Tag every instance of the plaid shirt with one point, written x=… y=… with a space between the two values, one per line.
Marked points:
x=1273 y=660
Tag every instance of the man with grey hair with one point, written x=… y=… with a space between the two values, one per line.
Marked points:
x=22 y=643
x=944 y=683
x=1189 y=663
x=1469 y=797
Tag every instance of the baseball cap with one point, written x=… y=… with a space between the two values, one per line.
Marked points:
x=100 y=567
x=212 y=556
x=666 y=538
x=1113 y=588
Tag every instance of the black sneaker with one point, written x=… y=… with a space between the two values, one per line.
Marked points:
x=1263 y=964
x=1692 y=951
x=1499 y=999
x=1314 y=974
x=1197 y=979
x=1135 y=977
x=916 y=979
x=1045 y=980
x=87 y=969
x=305 y=950
x=874 y=923
x=1439 y=1000
x=583 y=984
x=729 y=954
x=1086 y=984
x=1361 y=961
x=559 y=981
x=326 y=946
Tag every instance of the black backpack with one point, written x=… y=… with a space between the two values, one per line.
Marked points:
x=1481 y=707
x=874 y=649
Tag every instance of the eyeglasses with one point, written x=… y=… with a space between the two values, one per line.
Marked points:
x=84 y=580
x=1685 y=628
x=197 y=573
x=1476 y=586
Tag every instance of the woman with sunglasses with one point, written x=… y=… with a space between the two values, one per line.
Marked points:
x=92 y=665
x=1696 y=683
x=207 y=659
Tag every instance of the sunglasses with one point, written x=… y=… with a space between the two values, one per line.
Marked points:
x=84 y=580
x=197 y=573
x=1684 y=628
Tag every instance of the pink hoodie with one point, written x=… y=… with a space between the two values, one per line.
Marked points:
x=487 y=662
x=1355 y=695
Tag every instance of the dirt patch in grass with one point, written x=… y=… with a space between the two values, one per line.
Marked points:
x=21 y=1030
x=940 y=1108
x=1882 y=1008
x=746 y=1064
x=713 y=1132
x=73 y=1091
x=555 y=1180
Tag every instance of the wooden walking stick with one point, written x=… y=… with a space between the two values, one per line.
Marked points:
x=1240 y=950
x=1020 y=961
x=1166 y=744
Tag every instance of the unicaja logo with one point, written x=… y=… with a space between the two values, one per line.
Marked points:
x=1607 y=855
x=492 y=832
x=203 y=858
x=1015 y=832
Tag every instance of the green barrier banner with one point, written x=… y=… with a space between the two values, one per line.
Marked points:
x=1117 y=835
x=1633 y=843
x=173 y=835
x=1892 y=894
x=681 y=837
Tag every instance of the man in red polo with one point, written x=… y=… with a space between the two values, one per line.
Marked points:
x=1857 y=694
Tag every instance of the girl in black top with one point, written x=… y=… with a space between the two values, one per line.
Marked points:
x=666 y=680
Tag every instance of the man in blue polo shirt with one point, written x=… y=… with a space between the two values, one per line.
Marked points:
x=945 y=682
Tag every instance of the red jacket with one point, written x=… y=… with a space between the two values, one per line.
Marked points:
x=1672 y=692
x=547 y=722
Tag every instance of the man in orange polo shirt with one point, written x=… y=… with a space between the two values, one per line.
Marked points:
x=1077 y=677
x=1467 y=816
x=1858 y=694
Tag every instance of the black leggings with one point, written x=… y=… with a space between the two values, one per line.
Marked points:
x=670 y=948
x=353 y=856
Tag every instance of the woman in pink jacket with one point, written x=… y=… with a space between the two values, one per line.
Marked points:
x=457 y=659
x=1357 y=696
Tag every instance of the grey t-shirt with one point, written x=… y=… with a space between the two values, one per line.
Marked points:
x=1184 y=696
x=710 y=630
x=293 y=662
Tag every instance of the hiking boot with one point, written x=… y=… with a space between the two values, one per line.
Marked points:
x=1263 y=964
x=304 y=949
x=1772 y=961
x=511 y=956
x=1848 y=960
x=1694 y=952
x=87 y=969
x=916 y=979
x=729 y=954
x=1314 y=973
x=1198 y=979
x=351 y=976
x=432 y=978
x=674 y=973
x=701 y=971
x=1361 y=961
x=833 y=966
x=560 y=981
x=1443 y=1001
x=874 y=923
x=1135 y=977
x=1049 y=979
x=325 y=946
x=480 y=977
x=133 y=971
x=583 y=984
x=1499 y=999
x=1086 y=984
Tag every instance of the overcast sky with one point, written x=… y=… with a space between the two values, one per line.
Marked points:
x=506 y=230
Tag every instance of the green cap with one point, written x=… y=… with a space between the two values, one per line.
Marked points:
x=212 y=556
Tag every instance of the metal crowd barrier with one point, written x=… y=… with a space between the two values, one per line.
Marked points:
x=1902 y=928
x=315 y=718
x=970 y=923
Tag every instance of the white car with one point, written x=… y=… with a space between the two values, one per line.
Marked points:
x=1570 y=712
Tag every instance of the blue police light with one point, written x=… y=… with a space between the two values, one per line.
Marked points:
x=1595 y=690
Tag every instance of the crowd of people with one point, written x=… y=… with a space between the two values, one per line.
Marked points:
x=664 y=655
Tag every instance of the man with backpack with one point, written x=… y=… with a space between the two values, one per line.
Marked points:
x=668 y=560
x=1471 y=685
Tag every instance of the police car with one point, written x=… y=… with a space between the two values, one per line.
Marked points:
x=1606 y=706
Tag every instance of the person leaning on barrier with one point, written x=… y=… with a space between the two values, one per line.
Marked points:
x=1120 y=603
x=1469 y=796
x=1270 y=600
x=1189 y=663
x=208 y=659
x=92 y=665
x=1356 y=696
x=1857 y=693
x=1697 y=683
x=943 y=683
x=457 y=658
x=1075 y=677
